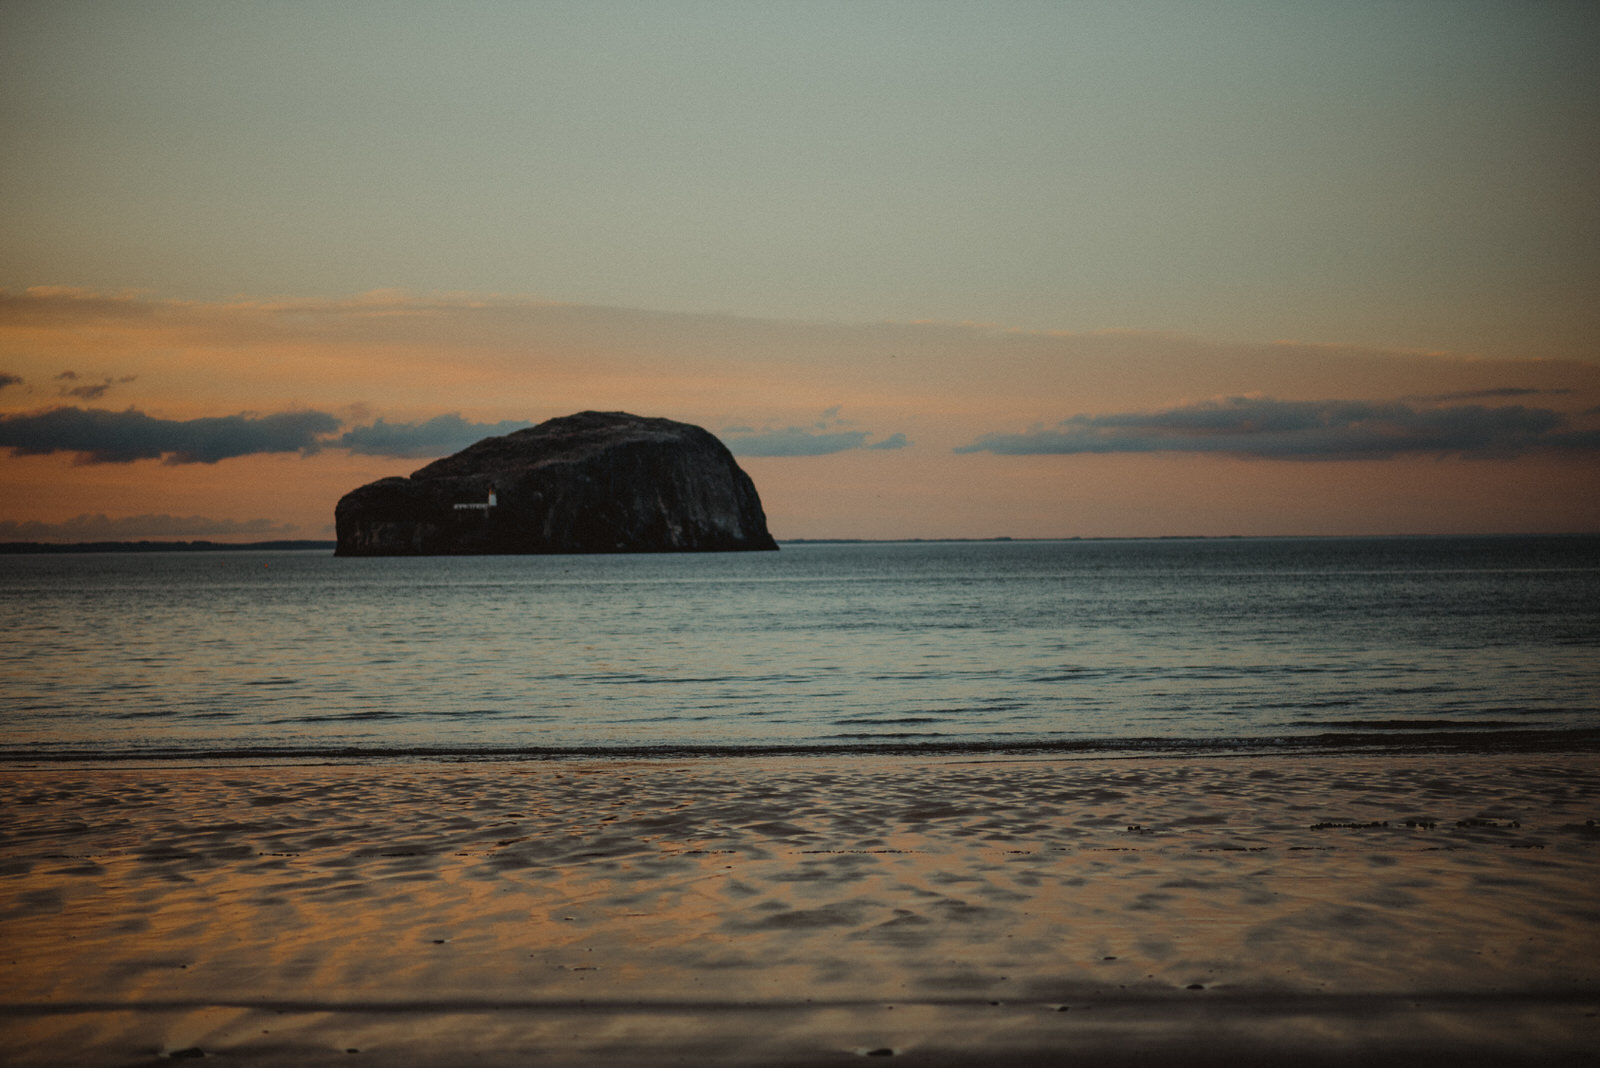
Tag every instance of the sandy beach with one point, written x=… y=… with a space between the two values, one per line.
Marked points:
x=1329 y=909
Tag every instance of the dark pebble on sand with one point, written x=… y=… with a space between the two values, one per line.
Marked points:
x=1196 y=986
x=880 y=1053
x=187 y=1054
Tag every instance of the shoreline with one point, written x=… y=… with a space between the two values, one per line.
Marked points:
x=1330 y=907
x=1404 y=738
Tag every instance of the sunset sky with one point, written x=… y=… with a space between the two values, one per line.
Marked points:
x=929 y=269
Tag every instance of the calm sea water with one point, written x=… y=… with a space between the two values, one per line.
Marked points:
x=1073 y=643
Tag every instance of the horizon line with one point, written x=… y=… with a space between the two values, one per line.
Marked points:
x=22 y=548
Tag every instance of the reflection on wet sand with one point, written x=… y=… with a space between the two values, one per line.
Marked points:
x=804 y=910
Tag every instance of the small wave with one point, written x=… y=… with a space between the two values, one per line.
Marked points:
x=897 y=734
x=902 y=721
x=1071 y=675
x=1424 y=724
x=1585 y=740
x=636 y=678
x=347 y=717
x=1306 y=705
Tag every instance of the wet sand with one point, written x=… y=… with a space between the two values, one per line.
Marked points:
x=1345 y=909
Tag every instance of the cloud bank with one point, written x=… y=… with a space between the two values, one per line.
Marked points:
x=98 y=527
x=99 y=436
x=439 y=436
x=1265 y=428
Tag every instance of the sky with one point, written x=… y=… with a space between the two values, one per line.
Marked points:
x=929 y=269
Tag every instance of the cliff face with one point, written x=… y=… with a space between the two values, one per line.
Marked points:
x=595 y=482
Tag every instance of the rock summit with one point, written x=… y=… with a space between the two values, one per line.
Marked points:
x=595 y=482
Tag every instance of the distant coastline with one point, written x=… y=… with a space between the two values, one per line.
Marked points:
x=1174 y=537
x=14 y=547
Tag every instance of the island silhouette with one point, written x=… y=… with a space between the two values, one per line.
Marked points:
x=594 y=482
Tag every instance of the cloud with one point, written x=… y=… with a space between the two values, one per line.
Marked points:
x=99 y=528
x=101 y=436
x=8 y=379
x=439 y=436
x=89 y=390
x=1492 y=394
x=796 y=441
x=1263 y=427
x=823 y=439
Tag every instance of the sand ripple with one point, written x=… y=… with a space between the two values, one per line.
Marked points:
x=741 y=910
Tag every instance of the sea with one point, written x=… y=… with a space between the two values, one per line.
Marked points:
x=1001 y=646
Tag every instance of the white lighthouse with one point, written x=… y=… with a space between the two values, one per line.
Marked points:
x=480 y=506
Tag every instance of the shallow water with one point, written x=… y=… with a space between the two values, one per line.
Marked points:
x=1093 y=643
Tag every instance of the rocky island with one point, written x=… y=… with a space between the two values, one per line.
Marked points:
x=595 y=482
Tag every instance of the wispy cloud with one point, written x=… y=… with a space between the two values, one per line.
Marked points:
x=1263 y=427
x=88 y=390
x=98 y=527
x=438 y=436
x=822 y=439
x=100 y=436
x=1502 y=393
x=8 y=379
x=795 y=441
